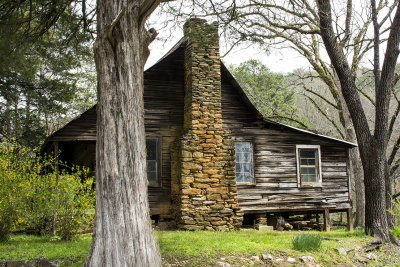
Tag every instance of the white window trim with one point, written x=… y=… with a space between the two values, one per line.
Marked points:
x=253 y=180
x=318 y=147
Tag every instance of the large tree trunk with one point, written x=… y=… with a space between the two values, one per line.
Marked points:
x=123 y=233
x=374 y=162
x=372 y=147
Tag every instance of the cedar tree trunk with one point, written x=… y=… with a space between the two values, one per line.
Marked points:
x=372 y=146
x=123 y=233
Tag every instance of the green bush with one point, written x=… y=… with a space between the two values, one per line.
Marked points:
x=396 y=232
x=34 y=195
x=395 y=210
x=306 y=242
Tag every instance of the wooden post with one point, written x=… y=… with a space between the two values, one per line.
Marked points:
x=350 y=226
x=327 y=223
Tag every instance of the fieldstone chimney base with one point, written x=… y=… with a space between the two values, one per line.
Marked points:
x=204 y=189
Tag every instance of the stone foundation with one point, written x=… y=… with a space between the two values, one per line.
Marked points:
x=204 y=190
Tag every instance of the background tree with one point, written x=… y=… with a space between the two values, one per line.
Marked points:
x=123 y=233
x=372 y=145
x=44 y=48
x=268 y=91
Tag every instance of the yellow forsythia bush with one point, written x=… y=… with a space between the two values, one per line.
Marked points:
x=36 y=196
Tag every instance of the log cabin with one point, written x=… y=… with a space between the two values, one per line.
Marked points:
x=213 y=161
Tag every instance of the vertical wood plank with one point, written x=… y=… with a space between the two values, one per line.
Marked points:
x=350 y=226
x=327 y=223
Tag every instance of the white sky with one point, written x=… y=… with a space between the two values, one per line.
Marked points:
x=283 y=60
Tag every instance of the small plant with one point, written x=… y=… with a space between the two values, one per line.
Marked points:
x=395 y=209
x=306 y=242
x=396 y=232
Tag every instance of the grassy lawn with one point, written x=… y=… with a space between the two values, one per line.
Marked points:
x=203 y=248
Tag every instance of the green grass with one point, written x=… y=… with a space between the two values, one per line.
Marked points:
x=192 y=248
x=201 y=246
x=29 y=247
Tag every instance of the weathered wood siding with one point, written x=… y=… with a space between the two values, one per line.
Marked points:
x=275 y=187
x=163 y=101
x=81 y=129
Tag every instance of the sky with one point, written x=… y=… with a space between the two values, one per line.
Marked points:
x=282 y=60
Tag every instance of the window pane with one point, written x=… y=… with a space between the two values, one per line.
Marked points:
x=244 y=162
x=243 y=157
x=243 y=147
x=239 y=168
x=151 y=148
x=307 y=153
x=307 y=161
x=239 y=177
x=152 y=166
x=152 y=176
x=152 y=159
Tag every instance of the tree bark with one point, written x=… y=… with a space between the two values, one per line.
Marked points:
x=356 y=170
x=358 y=176
x=123 y=233
x=372 y=147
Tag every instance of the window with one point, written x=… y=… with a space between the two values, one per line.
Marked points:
x=153 y=159
x=308 y=165
x=244 y=162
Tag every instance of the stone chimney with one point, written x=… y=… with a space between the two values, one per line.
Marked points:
x=204 y=192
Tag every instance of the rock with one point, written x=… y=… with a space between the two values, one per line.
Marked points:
x=342 y=251
x=289 y=259
x=279 y=260
x=222 y=264
x=267 y=257
x=255 y=258
x=361 y=258
x=307 y=259
x=265 y=228
x=288 y=226
x=371 y=256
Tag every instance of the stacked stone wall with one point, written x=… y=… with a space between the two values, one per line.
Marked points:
x=203 y=165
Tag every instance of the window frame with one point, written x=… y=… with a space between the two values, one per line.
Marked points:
x=158 y=160
x=319 y=169
x=253 y=180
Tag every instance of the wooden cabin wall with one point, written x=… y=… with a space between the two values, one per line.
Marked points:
x=163 y=98
x=80 y=129
x=275 y=171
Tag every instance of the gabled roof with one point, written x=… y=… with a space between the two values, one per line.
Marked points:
x=235 y=84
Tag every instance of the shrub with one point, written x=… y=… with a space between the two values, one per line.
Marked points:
x=35 y=195
x=396 y=232
x=306 y=242
x=395 y=210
